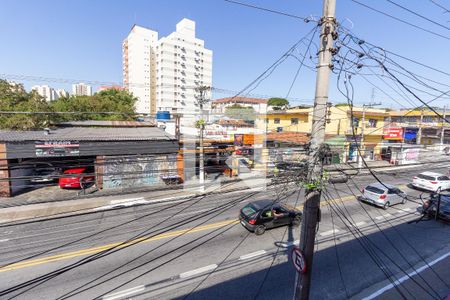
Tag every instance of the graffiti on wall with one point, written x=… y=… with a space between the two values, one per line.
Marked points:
x=127 y=172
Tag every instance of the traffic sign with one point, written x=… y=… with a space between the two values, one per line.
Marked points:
x=299 y=260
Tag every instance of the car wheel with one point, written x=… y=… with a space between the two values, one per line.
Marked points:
x=296 y=221
x=386 y=205
x=260 y=229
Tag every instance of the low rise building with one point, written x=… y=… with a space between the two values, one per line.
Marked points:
x=259 y=105
x=123 y=154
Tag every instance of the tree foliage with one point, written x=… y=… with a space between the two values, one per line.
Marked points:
x=105 y=101
x=278 y=103
x=14 y=98
x=239 y=112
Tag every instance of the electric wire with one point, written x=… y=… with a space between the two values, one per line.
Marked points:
x=402 y=21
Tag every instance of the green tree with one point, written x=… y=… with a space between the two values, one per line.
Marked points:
x=112 y=100
x=14 y=98
x=239 y=112
x=278 y=103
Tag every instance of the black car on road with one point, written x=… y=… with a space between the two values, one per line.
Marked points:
x=260 y=215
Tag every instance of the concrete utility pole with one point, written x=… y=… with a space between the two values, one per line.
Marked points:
x=443 y=125
x=362 y=147
x=312 y=197
x=201 y=100
x=419 y=133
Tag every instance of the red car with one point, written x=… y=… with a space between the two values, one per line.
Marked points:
x=72 y=178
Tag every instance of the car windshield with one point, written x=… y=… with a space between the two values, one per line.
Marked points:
x=374 y=190
x=426 y=177
x=249 y=210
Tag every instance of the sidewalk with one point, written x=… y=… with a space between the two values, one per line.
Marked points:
x=27 y=209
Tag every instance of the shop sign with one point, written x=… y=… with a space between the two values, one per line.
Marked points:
x=393 y=134
x=57 y=148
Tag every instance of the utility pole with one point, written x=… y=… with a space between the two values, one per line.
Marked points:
x=443 y=125
x=312 y=196
x=201 y=100
x=362 y=147
x=419 y=133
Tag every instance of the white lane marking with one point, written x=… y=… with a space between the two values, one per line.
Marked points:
x=124 y=293
x=198 y=271
x=407 y=209
x=359 y=224
x=400 y=280
x=253 y=254
x=125 y=200
x=285 y=245
x=379 y=218
x=329 y=232
x=4 y=240
x=123 y=204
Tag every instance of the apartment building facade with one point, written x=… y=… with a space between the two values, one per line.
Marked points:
x=45 y=91
x=81 y=89
x=164 y=73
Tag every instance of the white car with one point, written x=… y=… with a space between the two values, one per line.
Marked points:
x=431 y=181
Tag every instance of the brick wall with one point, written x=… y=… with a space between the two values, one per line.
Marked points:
x=5 y=189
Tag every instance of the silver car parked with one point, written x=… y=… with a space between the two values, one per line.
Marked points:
x=383 y=195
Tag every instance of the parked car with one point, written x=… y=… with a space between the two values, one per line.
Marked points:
x=45 y=174
x=75 y=178
x=430 y=207
x=431 y=181
x=260 y=215
x=383 y=195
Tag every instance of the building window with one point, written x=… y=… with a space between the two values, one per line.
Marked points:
x=276 y=121
x=294 y=121
x=279 y=129
x=428 y=119
x=372 y=123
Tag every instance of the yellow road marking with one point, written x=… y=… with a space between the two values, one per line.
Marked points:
x=88 y=251
x=94 y=250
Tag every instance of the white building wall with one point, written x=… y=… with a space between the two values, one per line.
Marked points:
x=138 y=59
x=81 y=89
x=163 y=73
x=45 y=91
x=182 y=64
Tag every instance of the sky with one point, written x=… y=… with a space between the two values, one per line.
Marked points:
x=82 y=39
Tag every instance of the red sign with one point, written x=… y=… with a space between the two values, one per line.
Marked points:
x=299 y=260
x=393 y=134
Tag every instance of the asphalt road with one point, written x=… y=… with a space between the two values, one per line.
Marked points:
x=196 y=248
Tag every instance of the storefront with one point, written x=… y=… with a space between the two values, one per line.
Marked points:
x=120 y=157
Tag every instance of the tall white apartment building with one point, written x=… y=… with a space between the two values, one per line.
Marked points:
x=139 y=67
x=45 y=91
x=167 y=70
x=81 y=89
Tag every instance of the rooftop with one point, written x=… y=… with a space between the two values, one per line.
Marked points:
x=241 y=100
x=88 y=134
x=95 y=123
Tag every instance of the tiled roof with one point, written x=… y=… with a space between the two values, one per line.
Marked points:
x=289 y=137
x=241 y=100
x=93 y=123
x=225 y=122
x=89 y=134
